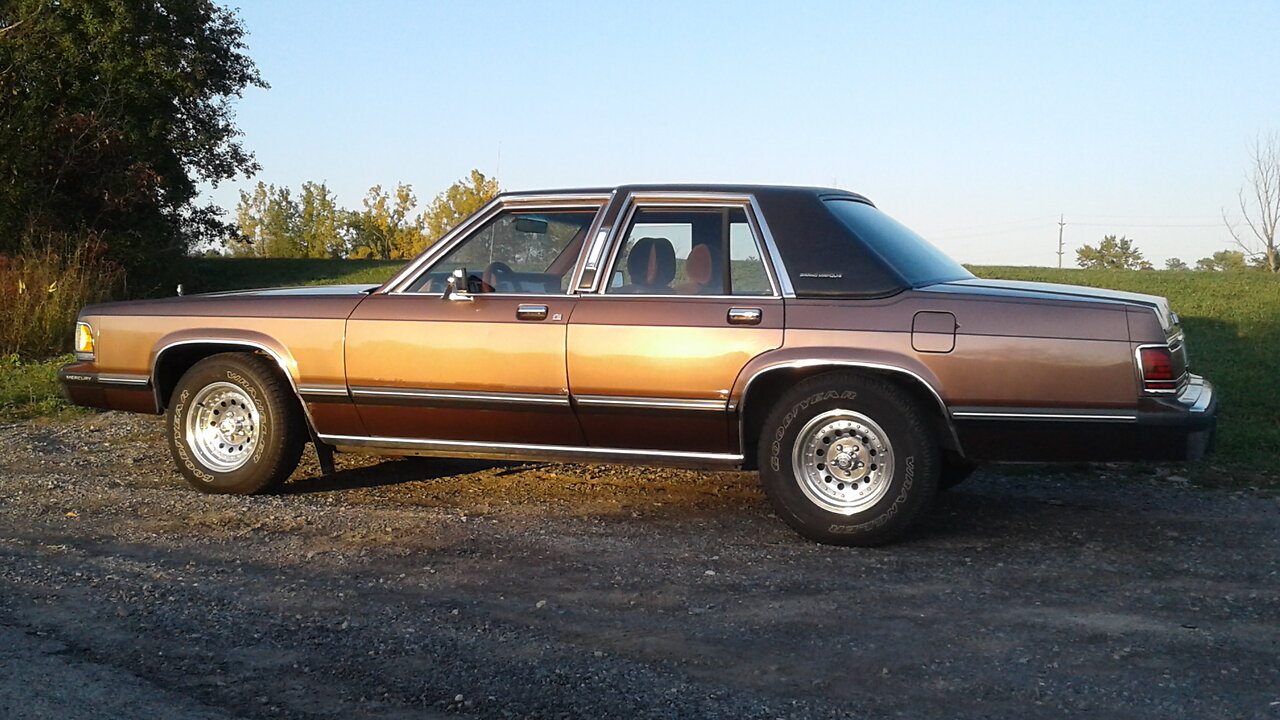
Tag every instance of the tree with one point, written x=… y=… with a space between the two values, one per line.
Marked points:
x=1112 y=254
x=385 y=228
x=1259 y=202
x=1174 y=263
x=321 y=222
x=270 y=224
x=458 y=201
x=1223 y=261
x=114 y=112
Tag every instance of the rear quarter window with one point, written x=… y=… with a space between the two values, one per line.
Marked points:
x=911 y=256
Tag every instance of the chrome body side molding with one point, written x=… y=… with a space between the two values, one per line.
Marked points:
x=431 y=397
x=1031 y=414
x=123 y=379
x=649 y=403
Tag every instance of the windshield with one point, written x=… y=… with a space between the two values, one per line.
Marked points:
x=910 y=255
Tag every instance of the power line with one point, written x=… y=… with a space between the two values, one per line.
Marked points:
x=1026 y=221
x=1150 y=224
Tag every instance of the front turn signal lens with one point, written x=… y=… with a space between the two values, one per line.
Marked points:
x=84 y=341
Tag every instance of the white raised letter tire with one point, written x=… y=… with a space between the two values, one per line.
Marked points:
x=234 y=425
x=848 y=459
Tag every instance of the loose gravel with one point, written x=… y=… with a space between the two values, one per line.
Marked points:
x=432 y=588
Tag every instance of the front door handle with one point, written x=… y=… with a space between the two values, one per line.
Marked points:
x=531 y=312
x=744 y=316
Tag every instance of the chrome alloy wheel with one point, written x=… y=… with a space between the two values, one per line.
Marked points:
x=222 y=427
x=843 y=461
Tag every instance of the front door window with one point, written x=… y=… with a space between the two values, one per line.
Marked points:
x=516 y=253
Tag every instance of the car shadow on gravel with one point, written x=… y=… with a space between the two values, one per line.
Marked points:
x=387 y=471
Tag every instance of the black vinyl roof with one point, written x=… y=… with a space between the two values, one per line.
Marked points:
x=757 y=190
x=823 y=258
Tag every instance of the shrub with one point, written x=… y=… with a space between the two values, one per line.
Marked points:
x=43 y=288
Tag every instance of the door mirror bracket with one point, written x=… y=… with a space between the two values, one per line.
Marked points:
x=455 y=288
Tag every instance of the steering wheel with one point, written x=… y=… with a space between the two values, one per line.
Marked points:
x=494 y=275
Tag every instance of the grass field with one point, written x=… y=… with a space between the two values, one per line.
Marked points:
x=1232 y=323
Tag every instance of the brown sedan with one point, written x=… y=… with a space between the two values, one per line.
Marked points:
x=798 y=331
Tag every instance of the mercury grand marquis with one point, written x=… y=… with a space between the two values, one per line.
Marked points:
x=800 y=332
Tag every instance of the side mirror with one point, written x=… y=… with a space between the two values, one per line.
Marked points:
x=455 y=288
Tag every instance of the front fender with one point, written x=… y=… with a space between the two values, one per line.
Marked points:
x=231 y=338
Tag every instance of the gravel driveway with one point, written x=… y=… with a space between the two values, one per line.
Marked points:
x=427 y=588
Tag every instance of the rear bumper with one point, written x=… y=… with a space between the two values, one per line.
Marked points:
x=1191 y=422
x=1180 y=427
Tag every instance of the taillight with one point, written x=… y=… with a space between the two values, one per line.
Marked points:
x=1157 y=368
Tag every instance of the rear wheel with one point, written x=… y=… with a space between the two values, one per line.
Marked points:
x=848 y=459
x=234 y=426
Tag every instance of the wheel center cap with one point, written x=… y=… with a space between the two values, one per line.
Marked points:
x=232 y=428
x=844 y=461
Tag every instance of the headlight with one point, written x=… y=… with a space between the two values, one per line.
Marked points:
x=84 y=341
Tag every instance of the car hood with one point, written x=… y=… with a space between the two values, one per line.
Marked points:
x=307 y=301
x=1043 y=290
x=299 y=290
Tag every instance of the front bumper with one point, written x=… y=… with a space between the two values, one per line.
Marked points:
x=83 y=384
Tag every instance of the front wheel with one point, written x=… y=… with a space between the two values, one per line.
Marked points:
x=234 y=426
x=848 y=459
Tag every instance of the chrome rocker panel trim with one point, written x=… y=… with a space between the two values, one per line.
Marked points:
x=521 y=451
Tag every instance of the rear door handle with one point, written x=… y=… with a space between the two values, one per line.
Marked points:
x=531 y=312
x=744 y=316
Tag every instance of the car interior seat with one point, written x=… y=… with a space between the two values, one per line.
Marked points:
x=700 y=268
x=651 y=266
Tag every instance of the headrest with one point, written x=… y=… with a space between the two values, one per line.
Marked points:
x=652 y=262
x=698 y=266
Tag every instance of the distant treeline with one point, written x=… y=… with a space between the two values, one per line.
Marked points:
x=276 y=222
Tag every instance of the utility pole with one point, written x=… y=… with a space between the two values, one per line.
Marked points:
x=1061 y=224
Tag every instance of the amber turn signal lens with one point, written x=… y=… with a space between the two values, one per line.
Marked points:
x=84 y=339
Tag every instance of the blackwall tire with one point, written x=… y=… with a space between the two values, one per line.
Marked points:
x=234 y=425
x=848 y=459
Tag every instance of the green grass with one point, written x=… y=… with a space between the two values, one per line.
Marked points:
x=214 y=274
x=30 y=390
x=1232 y=324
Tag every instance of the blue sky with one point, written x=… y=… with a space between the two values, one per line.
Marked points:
x=974 y=123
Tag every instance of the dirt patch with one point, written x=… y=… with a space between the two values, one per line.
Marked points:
x=422 y=588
